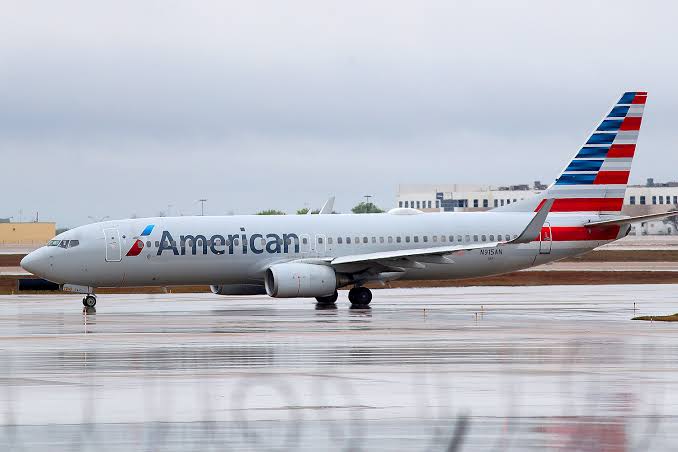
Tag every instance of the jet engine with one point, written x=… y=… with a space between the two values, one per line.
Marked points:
x=238 y=289
x=292 y=279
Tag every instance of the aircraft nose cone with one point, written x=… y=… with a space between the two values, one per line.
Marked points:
x=34 y=263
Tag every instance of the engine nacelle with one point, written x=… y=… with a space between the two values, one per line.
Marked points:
x=292 y=279
x=238 y=289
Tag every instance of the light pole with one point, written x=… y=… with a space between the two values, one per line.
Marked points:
x=202 y=207
x=367 y=203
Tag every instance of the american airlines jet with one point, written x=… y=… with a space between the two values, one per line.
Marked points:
x=314 y=255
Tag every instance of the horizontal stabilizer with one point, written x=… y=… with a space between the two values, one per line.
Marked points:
x=629 y=220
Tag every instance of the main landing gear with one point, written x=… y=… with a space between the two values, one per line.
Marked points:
x=327 y=302
x=360 y=297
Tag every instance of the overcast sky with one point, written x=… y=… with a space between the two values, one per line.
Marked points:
x=125 y=108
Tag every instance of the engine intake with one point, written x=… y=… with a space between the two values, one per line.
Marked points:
x=291 y=280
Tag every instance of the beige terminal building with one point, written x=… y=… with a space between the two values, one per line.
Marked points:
x=639 y=200
x=25 y=234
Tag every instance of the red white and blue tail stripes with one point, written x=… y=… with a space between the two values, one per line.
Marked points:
x=594 y=182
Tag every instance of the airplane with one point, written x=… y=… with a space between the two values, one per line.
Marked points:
x=314 y=255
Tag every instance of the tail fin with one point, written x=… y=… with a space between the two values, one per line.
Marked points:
x=595 y=180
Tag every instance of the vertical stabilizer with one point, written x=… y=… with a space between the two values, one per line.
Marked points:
x=595 y=179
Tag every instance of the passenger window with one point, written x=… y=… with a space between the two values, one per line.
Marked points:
x=398 y=239
x=442 y=238
x=491 y=238
x=407 y=238
x=329 y=240
x=451 y=238
x=483 y=238
x=148 y=244
x=304 y=241
x=348 y=240
x=339 y=240
x=434 y=237
x=381 y=240
x=374 y=239
x=357 y=240
x=458 y=238
x=390 y=239
x=320 y=240
x=157 y=243
x=416 y=239
x=468 y=238
x=426 y=238
x=73 y=243
x=475 y=238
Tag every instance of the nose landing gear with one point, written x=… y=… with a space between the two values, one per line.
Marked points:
x=89 y=301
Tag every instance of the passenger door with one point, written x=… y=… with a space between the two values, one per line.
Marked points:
x=113 y=250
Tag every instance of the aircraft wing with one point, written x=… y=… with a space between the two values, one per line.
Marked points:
x=629 y=220
x=436 y=255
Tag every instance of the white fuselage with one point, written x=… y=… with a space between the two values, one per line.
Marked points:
x=239 y=249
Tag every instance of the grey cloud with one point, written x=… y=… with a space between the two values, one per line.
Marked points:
x=272 y=97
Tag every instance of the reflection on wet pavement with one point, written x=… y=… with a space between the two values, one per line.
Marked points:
x=481 y=368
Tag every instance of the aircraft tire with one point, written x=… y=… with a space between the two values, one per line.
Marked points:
x=89 y=301
x=360 y=296
x=330 y=299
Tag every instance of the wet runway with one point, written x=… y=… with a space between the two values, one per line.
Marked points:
x=478 y=368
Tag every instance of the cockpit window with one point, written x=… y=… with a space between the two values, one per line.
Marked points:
x=64 y=243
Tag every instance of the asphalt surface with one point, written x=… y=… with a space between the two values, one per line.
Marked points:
x=478 y=368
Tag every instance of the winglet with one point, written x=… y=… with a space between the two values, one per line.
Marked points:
x=328 y=206
x=533 y=229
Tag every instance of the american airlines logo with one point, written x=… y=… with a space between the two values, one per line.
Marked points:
x=139 y=244
x=220 y=244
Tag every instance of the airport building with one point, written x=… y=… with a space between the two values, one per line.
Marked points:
x=639 y=200
x=33 y=233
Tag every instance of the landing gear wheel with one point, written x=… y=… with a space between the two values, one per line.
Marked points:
x=360 y=297
x=327 y=302
x=330 y=299
x=89 y=301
